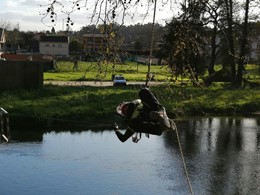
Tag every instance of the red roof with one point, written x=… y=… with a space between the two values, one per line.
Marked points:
x=22 y=57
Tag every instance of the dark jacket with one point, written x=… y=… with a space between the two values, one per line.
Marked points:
x=138 y=121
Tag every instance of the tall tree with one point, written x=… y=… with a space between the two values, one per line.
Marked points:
x=185 y=41
x=13 y=39
x=243 y=47
x=228 y=12
x=237 y=30
x=213 y=20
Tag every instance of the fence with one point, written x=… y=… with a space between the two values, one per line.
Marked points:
x=5 y=128
x=21 y=74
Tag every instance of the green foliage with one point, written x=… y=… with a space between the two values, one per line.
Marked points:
x=75 y=47
x=185 y=45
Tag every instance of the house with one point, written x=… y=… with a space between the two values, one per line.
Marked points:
x=254 y=46
x=92 y=42
x=54 y=45
x=2 y=39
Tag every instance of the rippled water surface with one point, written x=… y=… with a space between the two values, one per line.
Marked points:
x=222 y=157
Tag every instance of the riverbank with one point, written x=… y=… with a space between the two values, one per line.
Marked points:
x=88 y=106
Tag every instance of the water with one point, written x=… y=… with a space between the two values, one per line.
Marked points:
x=222 y=157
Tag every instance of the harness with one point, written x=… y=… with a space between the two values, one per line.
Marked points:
x=135 y=114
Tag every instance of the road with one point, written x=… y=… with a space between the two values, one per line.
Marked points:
x=92 y=83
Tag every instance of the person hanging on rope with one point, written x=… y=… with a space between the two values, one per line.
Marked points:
x=144 y=115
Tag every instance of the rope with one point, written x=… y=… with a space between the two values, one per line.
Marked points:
x=147 y=82
x=183 y=159
x=51 y=119
x=151 y=47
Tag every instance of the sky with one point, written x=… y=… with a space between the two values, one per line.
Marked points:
x=28 y=15
x=21 y=13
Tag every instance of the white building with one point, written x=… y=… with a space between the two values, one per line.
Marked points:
x=54 y=45
x=254 y=45
x=2 y=39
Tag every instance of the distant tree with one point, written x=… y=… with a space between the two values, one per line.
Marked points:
x=13 y=39
x=53 y=31
x=141 y=34
x=75 y=47
x=138 y=45
x=90 y=29
x=5 y=25
x=28 y=42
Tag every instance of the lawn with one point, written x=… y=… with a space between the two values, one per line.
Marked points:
x=92 y=71
x=96 y=105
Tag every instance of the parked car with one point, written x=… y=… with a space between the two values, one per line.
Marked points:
x=119 y=80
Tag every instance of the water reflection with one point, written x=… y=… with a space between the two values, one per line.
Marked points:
x=219 y=134
x=222 y=156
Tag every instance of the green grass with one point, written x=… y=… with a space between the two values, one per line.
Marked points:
x=97 y=104
x=132 y=71
x=218 y=101
x=91 y=71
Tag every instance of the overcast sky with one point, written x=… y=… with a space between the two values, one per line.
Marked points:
x=24 y=13
x=27 y=15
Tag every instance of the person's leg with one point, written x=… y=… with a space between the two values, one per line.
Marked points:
x=149 y=100
x=146 y=127
x=152 y=106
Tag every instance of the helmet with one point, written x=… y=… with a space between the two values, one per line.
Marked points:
x=122 y=108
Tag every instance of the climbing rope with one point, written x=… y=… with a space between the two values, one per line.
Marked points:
x=147 y=83
x=183 y=159
x=50 y=120
x=148 y=76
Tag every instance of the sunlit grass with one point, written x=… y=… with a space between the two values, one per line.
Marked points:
x=92 y=71
x=97 y=104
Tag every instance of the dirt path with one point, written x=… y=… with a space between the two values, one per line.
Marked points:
x=91 y=83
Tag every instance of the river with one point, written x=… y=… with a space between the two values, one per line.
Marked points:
x=222 y=156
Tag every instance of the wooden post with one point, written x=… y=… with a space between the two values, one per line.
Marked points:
x=5 y=128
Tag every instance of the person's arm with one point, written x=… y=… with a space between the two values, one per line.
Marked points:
x=123 y=137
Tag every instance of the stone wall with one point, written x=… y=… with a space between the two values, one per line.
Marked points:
x=21 y=74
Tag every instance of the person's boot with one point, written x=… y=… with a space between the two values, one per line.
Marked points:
x=161 y=117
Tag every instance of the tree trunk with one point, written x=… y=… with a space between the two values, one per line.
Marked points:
x=243 y=48
x=230 y=37
x=213 y=51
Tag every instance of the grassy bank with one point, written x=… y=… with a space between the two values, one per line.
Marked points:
x=96 y=105
x=87 y=106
